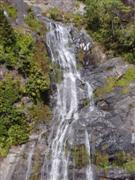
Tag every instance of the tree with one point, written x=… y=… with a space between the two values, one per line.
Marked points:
x=111 y=22
x=7 y=36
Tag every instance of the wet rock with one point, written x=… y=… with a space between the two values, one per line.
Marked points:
x=81 y=39
x=104 y=105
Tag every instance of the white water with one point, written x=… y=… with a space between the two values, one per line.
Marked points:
x=62 y=53
x=89 y=174
x=29 y=165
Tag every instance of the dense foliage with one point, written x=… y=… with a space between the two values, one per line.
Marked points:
x=13 y=129
x=33 y=22
x=66 y=17
x=111 y=22
x=10 y=10
x=26 y=75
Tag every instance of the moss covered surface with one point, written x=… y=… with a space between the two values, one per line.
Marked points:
x=66 y=17
x=34 y=24
x=120 y=160
x=80 y=156
x=36 y=166
x=113 y=82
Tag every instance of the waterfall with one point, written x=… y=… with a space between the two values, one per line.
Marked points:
x=89 y=174
x=62 y=51
x=29 y=166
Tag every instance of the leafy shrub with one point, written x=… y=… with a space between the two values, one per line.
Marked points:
x=19 y=51
x=80 y=156
x=37 y=83
x=40 y=112
x=111 y=22
x=66 y=17
x=17 y=135
x=10 y=116
x=7 y=36
x=33 y=22
x=15 y=46
x=12 y=12
x=40 y=57
x=54 y=13
x=102 y=160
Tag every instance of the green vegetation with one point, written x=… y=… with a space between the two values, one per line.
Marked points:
x=7 y=35
x=54 y=13
x=34 y=23
x=111 y=23
x=107 y=87
x=15 y=46
x=80 y=56
x=36 y=166
x=121 y=160
x=112 y=82
x=56 y=73
x=13 y=125
x=58 y=15
x=130 y=166
x=102 y=160
x=40 y=112
x=80 y=156
x=25 y=60
x=127 y=78
x=12 y=12
x=37 y=84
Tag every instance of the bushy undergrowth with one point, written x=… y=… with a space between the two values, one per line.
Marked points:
x=34 y=24
x=112 y=82
x=66 y=17
x=25 y=55
x=13 y=126
x=111 y=22
x=11 y=11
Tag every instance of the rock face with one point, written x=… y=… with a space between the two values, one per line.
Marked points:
x=117 y=105
x=66 y=5
x=113 y=129
x=111 y=125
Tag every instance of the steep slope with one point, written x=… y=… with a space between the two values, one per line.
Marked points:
x=92 y=132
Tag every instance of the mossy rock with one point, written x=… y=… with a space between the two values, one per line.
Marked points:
x=80 y=156
x=102 y=160
x=34 y=24
x=57 y=74
x=120 y=160
x=106 y=88
x=113 y=82
x=36 y=169
x=125 y=161
x=127 y=78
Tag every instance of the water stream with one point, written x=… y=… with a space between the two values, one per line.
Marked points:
x=68 y=134
x=66 y=113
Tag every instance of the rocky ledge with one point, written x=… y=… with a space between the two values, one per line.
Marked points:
x=112 y=124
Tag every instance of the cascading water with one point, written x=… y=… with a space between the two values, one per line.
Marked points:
x=29 y=167
x=69 y=134
x=66 y=113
